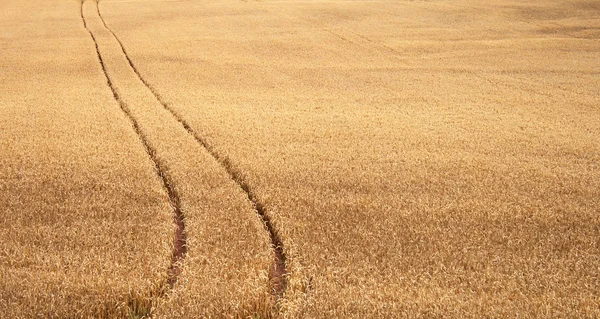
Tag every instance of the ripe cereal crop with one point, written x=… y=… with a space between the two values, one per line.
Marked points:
x=299 y=159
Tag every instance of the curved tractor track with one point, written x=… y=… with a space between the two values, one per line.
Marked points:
x=278 y=272
x=179 y=250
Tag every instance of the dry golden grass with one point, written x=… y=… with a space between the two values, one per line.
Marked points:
x=417 y=158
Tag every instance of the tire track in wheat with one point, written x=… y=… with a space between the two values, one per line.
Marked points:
x=179 y=250
x=278 y=270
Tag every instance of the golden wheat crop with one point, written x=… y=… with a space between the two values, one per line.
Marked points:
x=85 y=226
x=418 y=158
x=409 y=158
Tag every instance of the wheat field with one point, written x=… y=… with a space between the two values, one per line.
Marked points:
x=299 y=159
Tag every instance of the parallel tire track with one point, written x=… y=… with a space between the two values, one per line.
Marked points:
x=278 y=270
x=180 y=238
